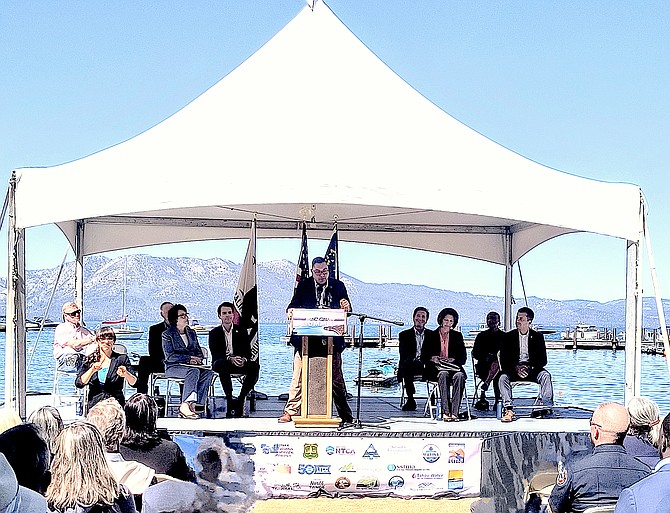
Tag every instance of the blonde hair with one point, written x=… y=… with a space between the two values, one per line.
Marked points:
x=79 y=472
x=49 y=423
x=8 y=419
x=645 y=419
x=110 y=419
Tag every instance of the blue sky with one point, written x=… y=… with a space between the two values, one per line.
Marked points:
x=583 y=87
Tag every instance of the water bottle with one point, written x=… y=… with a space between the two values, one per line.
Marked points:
x=499 y=410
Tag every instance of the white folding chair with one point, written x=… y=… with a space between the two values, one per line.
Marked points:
x=433 y=407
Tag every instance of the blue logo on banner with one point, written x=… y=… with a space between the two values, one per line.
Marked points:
x=371 y=452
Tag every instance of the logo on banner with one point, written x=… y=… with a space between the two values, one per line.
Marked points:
x=431 y=453
x=428 y=476
x=391 y=467
x=286 y=487
x=342 y=483
x=426 y=486
x=279 y=450
x=313 y=469
x=330 y=450
x=455 y=480
x=396 y=482
x=368 y=483
x=316 y=484
x=280 y=468
x=310 y=451
x=370 y=453
x=349 y=467
x=456 y=453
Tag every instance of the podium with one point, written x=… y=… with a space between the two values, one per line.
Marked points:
x=316 y=328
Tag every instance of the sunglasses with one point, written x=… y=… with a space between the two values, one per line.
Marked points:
x=106 y=336
x=73 y=314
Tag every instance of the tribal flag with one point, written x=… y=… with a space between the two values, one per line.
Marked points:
x=246 y=296
x=302 y=271
x=331 y=257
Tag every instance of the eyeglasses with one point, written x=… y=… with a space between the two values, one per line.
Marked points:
x=73 y=314
x=183 y=316
x=106 y=336
x=319 y=271
x=599 y=426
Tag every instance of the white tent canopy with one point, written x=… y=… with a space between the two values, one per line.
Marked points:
x=315 y=127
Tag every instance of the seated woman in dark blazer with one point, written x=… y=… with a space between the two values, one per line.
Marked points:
x=182 y=355
x=105 y=371
x=444 y=355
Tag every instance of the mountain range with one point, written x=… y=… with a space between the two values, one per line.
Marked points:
x=201 y=284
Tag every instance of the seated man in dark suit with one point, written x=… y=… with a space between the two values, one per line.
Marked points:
x=485 y=351
x=523 y=356
x=409 y=348
x=231 y=354
x=153 y=362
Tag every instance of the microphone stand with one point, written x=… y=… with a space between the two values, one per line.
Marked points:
x=357 y=424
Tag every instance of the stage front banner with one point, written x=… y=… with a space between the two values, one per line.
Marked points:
x=413 y=467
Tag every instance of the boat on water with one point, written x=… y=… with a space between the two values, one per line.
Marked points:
x=589 y=336
x=123 y=330
x=195 y=325
x=30 y=325
x=483 y=327
x=384 y=375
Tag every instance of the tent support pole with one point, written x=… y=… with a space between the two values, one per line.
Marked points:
x=79 y=267
x=657 y=292
x=633 y=319
x=15 y=341
x=509 y=268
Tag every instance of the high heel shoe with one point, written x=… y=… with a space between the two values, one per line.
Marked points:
x=188 y=415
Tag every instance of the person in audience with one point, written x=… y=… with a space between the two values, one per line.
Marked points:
x=154 y=361
x=81 y=479
x=14 y=497
x=48 y=421
x=651 y=494
x=444 y=356
x=523 y=356
x=8 y=418
x=142 y=443
x=318 y=291
x=175 y=497
x=485 y=351
x=109 y=418
x=597 y=479
x=642 y=439
x=410 y=343
x=182 y=356
x=105 y=372
x=72 y=341
x=230 y=348
x=29 y=456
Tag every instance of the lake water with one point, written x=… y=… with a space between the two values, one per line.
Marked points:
x=582 y=378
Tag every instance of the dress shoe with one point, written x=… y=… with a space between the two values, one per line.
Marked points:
x=410 y=405
x=540 y=414
x=230 y=408
x=508 y=415
x=284 y=418
x=482 y=405
x=238 y=408
x=347 y=424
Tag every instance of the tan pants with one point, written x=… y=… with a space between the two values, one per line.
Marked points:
x=295 y=391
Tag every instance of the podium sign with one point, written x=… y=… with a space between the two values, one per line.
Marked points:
x=324 y=322
x=317 y=328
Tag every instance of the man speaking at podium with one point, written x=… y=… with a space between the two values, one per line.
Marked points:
x=319 y=291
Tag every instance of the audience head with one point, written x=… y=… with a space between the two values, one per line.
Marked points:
x=48 y=421
x=609 y=424
x=174 y=312
x=664 y=438
x=493 y=320
x=447 y=311
x=213 y=458
x=109 y=418
x=8 y=419
x=80 y=460
x=644 y=419
x=141 y=414
x=29 y=456
x=165 y=308
x=72 y=312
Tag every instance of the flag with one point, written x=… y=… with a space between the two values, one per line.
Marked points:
x=246 y=296
x=331 y=257
x=302 y=271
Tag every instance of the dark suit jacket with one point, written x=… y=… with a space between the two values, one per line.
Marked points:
x=156 y=341
x=407 y=343
x=304 y=296
x=509 y=352
x=176 y=351
x=218 y=348
x=431 y=347
x=113 y=384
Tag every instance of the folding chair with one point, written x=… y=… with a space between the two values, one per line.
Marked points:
x=433 y=407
